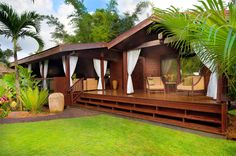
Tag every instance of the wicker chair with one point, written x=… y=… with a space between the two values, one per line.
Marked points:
x=90 y=84
x=155 y=84
x=192 y=84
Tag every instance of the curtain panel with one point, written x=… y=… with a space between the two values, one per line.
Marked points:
x=29 y=67
x=64 y=64
x=97 y=67
x=132 y=59
x=73 y=62
x=45 y=73
x=43 y=69
x=211 y=65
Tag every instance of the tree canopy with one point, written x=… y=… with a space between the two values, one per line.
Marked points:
x=101 y=26
x=5 y=55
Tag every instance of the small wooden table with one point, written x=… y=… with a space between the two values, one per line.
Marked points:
x=170 y=86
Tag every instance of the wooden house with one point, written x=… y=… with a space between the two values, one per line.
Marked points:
x=134 y=60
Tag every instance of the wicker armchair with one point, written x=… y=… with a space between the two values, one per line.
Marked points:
x=192 y=84
x=90 y=84
x=154 y=84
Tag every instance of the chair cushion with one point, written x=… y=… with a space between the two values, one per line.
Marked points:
x=188 y=81
x=150 y=81
x=156 y=80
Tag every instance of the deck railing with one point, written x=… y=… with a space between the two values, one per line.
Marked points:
x=76 y=90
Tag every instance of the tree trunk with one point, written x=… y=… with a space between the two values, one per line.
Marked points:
x=16 y=73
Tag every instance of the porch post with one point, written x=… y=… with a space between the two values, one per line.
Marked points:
x=67 y=71
x=102 y=70
x=125 y=73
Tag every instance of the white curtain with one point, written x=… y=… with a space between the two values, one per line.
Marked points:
x=29 y=67
x=41 y=68
x=97 y=67
x=211 y=65
x=105 y=69
x=132 y=59
x=45 y=73
x=212 y=86
x=64 y=63
x=165 y=65
x=73 y=63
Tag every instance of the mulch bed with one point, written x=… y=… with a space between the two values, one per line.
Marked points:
x=68 y=113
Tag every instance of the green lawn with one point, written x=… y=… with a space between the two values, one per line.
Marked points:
x=105 y=135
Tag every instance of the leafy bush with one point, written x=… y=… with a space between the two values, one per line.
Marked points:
x=4 y=106
x=33 y=99
x=7 y=83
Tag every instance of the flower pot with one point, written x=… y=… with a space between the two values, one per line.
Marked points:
x=114 y=84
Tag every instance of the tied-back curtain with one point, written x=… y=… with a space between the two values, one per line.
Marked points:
x=29 y=67
x=73 y=63
x=105 y=69
x=97 y=67
x=212 y=86
x=41 y=68
x=45 y=73
x=132 y=59
x=211 y=65
x=64 y=63
x=213 y=81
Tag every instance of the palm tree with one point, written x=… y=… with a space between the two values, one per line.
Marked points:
x=15 y=26
x=209 y=30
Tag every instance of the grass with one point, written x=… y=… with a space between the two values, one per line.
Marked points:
x=105 y=135
x=232 y=112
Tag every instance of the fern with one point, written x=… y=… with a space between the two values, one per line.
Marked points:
x=33 y=99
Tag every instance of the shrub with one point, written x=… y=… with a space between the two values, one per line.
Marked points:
x=4 y=106
x=33 y=99
x=7 y=83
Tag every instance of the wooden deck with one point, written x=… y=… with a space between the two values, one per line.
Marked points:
x=194 y=112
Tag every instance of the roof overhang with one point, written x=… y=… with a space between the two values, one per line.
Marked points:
x=61 y=49
x=129 y=33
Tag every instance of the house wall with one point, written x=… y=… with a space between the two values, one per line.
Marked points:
x=149 y=64
x=153 y=57
x=116 y=70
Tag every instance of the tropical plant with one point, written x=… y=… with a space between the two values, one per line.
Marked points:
x=189 y=65
x=101 y=26
x=33 y=99
x=16 y=26
x=209 y=30
x=7 y=82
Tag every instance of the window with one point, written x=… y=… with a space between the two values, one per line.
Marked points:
x=169 y=69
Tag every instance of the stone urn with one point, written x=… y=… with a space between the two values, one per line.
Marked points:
x=114 y=84
x=56 y=102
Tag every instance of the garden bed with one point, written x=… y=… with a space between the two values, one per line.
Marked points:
x=25 y=114
x=231 y=132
